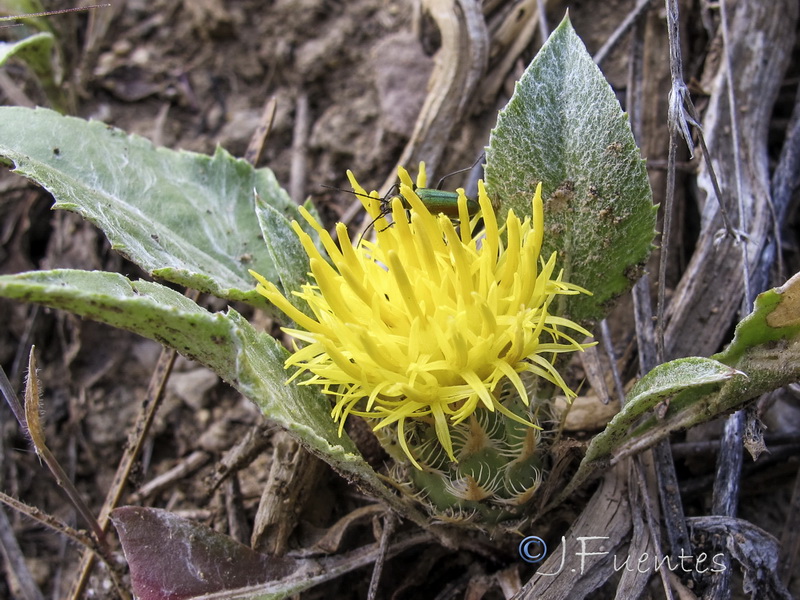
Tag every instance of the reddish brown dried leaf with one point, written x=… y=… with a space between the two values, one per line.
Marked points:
x=173 y=559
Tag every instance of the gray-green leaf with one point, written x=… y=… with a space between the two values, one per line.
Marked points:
x=251 y=361
x=34 y=50
x=564 y=127
x=184 y=217
x=37 y=52
x=763 y=356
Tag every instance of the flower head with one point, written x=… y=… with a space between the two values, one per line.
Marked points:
x=429 y=321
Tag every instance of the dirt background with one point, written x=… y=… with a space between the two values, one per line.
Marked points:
x=348 y=79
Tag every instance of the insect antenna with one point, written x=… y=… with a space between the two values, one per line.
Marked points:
x=359 y=194
x=48 y=13
x=469 y=168
x=384 y=209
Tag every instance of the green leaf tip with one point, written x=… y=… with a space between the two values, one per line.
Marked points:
x=775 y=316
x=763 y=356
x=786 y=314
x=34 y=49
x=565 y=128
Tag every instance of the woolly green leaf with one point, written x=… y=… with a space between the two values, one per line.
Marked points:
x=34 y=50
x=285 y=250
x=184 y=217
x=698 y=375
x=775 y=320
x=251 y=361
x=564 y=127
x=765 y=353
x=763 y=356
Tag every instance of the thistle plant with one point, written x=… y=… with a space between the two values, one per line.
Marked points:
x=445 y=337
x=431 y=330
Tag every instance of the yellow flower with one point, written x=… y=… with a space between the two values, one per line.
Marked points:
x=428 y=322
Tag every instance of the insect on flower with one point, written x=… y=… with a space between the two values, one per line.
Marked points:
x=428 y=323
x=436 y=200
